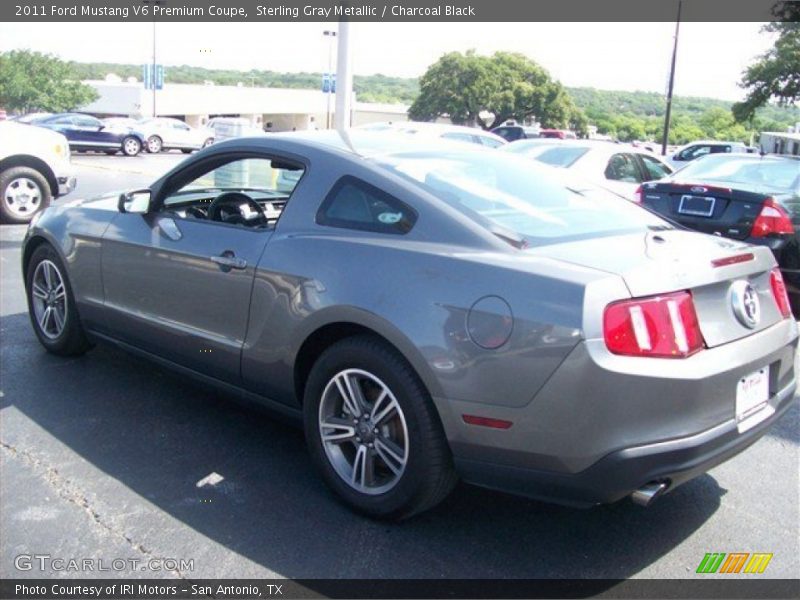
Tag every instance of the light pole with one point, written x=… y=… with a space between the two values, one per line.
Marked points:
x=668 y=116
x=330 y=35
x=153 y=79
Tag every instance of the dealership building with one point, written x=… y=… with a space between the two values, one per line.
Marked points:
x=273 y=109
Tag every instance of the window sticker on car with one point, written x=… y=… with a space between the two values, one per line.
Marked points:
x=390 y=218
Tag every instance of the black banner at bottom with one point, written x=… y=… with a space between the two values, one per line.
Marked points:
x=141 y=589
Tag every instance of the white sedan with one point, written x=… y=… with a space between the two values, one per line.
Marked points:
x=616 y=167
x=457 y=133
x=163 y=133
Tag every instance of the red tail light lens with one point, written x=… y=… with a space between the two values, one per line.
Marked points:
x=772 y=219
x=637 y=195
x=780 y=293
x=660 y=326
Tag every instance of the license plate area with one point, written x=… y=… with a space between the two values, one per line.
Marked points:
x=698 y=206
x=752 y=399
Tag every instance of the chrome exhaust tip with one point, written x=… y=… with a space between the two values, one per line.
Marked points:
x=646 y=494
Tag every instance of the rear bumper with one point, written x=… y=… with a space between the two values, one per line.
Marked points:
x=620 y=473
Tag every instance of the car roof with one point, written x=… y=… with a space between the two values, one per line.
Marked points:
x=425 y=127
x=365 y=143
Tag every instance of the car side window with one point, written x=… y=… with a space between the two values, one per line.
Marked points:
x=694 y=152
x=355 y=204
x=462 y=137
x=622 y=167
x=655 y=168
x=87 y=122
x=63 y=121
x=250 y=192
x=489 y=142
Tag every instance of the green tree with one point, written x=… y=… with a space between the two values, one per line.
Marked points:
x=775 y=76
x=32 y=81
x=468 y=87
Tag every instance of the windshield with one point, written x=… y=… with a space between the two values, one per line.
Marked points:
x=779 y=173
x=537 y=202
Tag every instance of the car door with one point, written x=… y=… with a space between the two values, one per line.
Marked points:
x=64 y=124
x=180 y=135
x=179 y=286
x=622 y=174
x=94 y=133
x=653 y=168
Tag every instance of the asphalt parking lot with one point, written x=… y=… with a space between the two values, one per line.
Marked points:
x=101 y=457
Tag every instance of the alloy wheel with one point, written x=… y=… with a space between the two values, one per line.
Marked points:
x=363 y=431
x=49 y=297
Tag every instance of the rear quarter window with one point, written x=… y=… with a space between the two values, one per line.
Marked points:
x=356 y=204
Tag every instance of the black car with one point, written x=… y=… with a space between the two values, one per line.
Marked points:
x=740 y=196
x=84 y=132
x=512 y=133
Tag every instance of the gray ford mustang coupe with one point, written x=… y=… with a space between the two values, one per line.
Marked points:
x=431 y=312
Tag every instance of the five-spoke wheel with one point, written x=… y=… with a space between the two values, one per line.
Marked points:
x=49 y=297
x=373 y=431
x=364 y=431
x=51 y=305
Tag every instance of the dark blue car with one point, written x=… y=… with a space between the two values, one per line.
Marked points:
x=85 y=132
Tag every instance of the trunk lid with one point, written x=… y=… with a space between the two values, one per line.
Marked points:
x=658 y=262
x=714 y=209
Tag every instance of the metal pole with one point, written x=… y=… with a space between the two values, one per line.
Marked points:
x=668 y=116
x=330 y=35
x=344 y=79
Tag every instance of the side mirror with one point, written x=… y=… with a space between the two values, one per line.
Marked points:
x=135 y=202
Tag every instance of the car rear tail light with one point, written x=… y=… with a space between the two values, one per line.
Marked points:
x=773 y=219
x=780 y=293
x=659 y=326
x=637 y=195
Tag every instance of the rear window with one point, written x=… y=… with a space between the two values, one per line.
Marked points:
x=560 y=156
x=778 y=174
x=514 y=193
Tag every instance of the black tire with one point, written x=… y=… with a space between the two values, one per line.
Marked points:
x=131 y=146
x=111 y=152
x=429 y=475
x=72 y=340
x=208 y=142
x=187 y=150
x=154 y=144
x=36 y=199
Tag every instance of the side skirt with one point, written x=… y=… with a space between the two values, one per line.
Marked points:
x=289 y=414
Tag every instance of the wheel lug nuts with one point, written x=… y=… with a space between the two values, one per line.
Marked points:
x=376 y=430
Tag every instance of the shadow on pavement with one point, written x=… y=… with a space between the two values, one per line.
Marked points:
x=159 y=435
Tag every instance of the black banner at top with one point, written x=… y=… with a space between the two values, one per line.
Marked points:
x=398 y=10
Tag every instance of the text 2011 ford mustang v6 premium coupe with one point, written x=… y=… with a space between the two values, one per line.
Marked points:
x=431 y=312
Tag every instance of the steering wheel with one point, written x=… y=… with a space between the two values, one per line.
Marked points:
x=226 y=208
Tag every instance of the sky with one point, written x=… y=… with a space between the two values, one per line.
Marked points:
x=612 y=56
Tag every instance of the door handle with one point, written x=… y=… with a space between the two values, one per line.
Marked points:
x=227 y=260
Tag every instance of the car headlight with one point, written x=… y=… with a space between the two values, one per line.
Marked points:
x=60 y=150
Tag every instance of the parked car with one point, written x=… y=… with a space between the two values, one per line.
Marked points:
x=512 y=133
x=164 y=133
x=34 y=168
x=454 y=133
x=430 y=310
x=87 y=133
x=746 y=197
x=618 y=168
x=695 y=150
x=560 y=134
